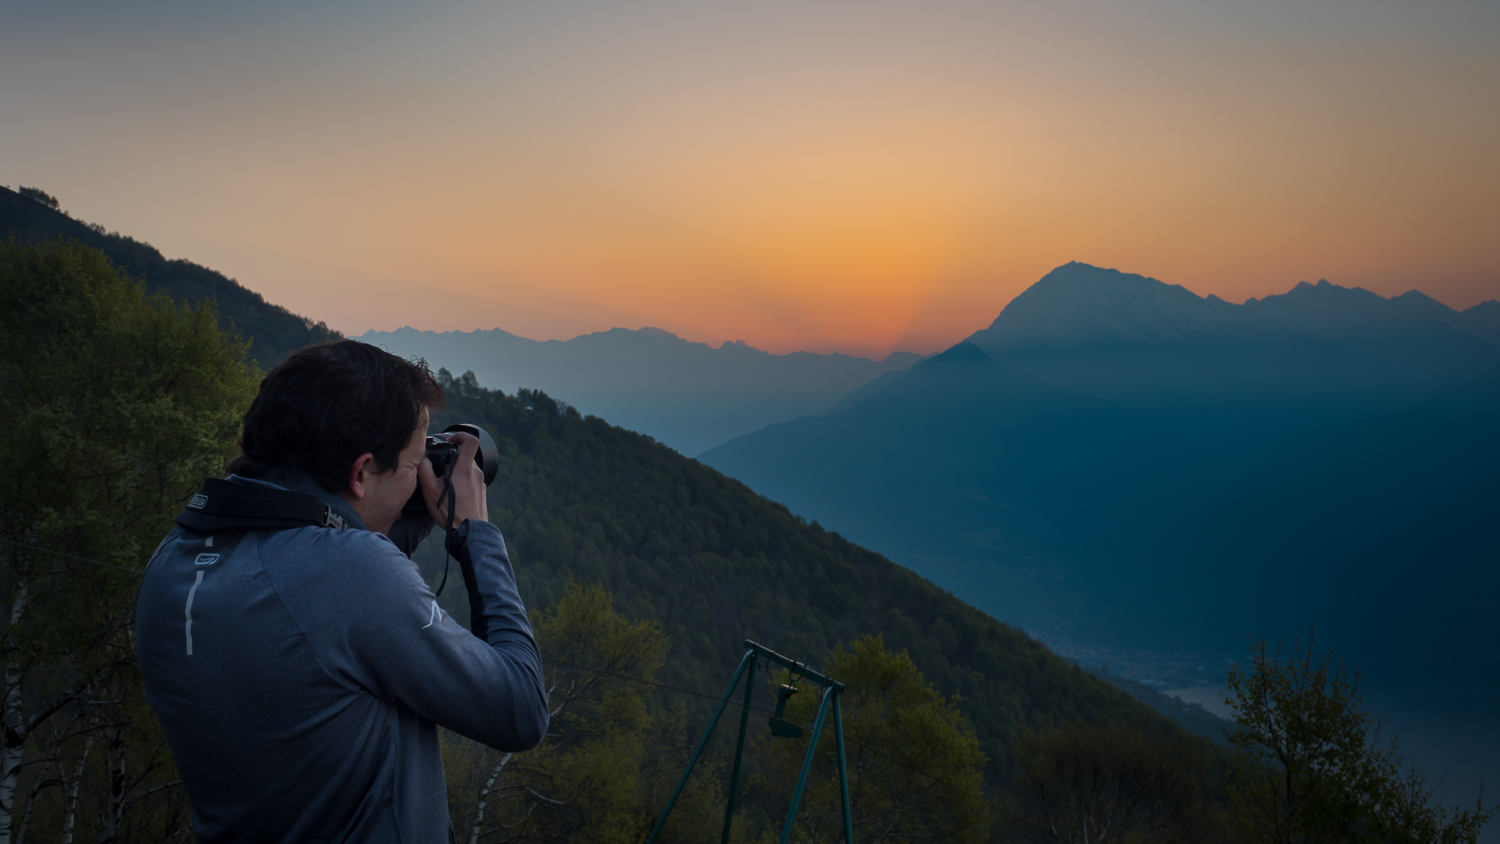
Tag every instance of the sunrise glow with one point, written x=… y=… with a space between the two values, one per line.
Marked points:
x=841 y=178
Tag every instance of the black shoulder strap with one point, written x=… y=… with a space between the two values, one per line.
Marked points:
x=221 y=505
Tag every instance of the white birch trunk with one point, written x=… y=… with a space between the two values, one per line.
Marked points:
x=484 y=798
x=70 y=792
x=41 y=780
x=12 y=728
x=114 y=811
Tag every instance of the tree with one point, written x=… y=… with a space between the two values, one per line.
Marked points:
x=1097 y=783
x=39 y=195
x=1313 y=769
x=587 y=780
x=116 y=405
x=915 y=768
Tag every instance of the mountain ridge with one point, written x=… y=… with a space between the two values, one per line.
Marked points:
x=690 y=395
x=1078 y=305
x=272 y=331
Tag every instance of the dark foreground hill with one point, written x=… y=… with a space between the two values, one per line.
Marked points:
x=273 y=331
x=714 y=563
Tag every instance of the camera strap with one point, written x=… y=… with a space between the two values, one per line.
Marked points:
x=223 y=505
x=452 y=495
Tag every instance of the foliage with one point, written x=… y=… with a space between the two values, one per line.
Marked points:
x=1314 y=770
x=1100 y=783
x=118 y=404
x=39 y=195
x=915 y=768
x=596 y=777
x=713 y=564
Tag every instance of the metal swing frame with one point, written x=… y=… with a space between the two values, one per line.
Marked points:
x=832 y=693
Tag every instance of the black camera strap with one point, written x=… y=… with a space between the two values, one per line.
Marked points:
x=222 y=505
x=452 y=495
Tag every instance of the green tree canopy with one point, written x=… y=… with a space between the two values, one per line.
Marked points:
x=599 y=775
x=915 y=768
x=1102 y=783
x=39 y=195
x=116 y=405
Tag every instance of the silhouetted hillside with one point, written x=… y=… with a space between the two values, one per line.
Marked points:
x=273 y=331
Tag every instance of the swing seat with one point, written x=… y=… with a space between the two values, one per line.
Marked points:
x=782 y=728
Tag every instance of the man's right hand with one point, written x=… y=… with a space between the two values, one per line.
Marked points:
x=468 y=485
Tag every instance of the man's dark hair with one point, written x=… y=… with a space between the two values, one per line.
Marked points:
x=331 y=402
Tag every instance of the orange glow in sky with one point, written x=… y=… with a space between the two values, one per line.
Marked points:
x=851 y=177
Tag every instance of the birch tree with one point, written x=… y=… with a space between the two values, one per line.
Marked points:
x=116 y=405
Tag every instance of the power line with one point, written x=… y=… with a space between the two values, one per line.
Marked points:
x=71 y=556
x=583 y=669
x=876 y=757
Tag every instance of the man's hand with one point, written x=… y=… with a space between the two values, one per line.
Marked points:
x=468 y=485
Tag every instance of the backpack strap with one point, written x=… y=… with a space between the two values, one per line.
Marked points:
x=221 y=505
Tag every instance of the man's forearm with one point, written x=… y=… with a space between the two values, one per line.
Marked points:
x=496 y=612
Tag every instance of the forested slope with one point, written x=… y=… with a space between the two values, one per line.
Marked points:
x=714 y=563
x=273 y=331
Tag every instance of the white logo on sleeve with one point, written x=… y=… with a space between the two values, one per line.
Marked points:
x=437 y=615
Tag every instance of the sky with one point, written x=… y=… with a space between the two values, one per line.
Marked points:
x=825 y=176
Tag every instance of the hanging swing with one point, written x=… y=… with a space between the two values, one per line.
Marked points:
x=780 y=728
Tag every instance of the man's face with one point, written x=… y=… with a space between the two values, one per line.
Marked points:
x=385 y=493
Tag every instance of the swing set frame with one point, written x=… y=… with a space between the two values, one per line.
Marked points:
x=832 y=693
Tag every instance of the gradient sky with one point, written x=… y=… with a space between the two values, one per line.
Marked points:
x=826 y=176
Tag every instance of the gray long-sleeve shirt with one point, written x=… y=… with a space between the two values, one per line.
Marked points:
x=299 y=675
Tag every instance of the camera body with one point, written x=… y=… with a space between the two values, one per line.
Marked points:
x=444 y=457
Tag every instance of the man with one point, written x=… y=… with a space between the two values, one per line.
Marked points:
x=300 y=673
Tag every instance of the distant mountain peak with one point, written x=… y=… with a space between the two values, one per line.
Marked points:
x=1082 y=306
x=1079 y=304
x=1325 y=288
x=658 y=332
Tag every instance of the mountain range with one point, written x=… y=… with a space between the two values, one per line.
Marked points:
x=1149 y=479
x=1094 y=465
x=691 y=396
x=1079 y=306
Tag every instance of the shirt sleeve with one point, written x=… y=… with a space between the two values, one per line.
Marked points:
x=409 y=531
x=485 y=684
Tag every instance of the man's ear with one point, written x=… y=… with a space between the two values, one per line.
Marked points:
x=359 y=474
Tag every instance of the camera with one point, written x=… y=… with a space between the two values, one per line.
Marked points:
x=444 y=457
